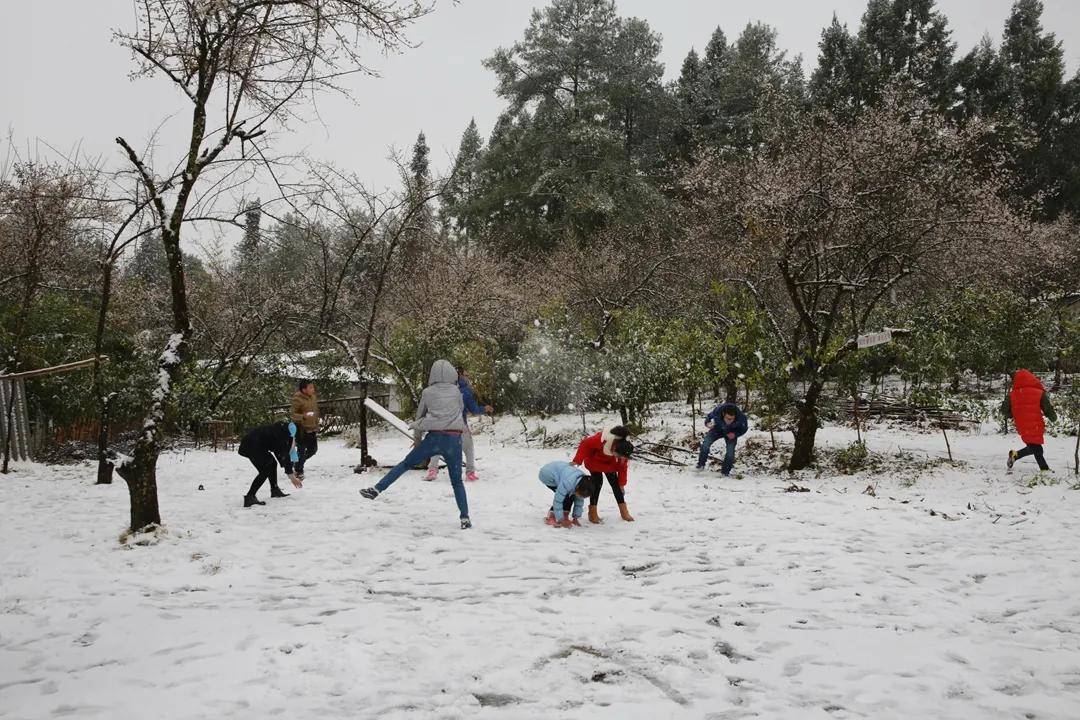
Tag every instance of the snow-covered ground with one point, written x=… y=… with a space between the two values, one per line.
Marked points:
x=728 y=598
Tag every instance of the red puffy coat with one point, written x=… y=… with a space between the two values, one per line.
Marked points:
x=595 y=451
x=1026 y=401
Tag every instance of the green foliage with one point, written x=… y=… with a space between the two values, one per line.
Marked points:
x=852 y=459
x=550 y=372
x=987 y=332
x=570 y=154
x=634 y=367
x=697 y=355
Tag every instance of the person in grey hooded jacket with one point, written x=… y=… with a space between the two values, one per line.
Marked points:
x=440 y=415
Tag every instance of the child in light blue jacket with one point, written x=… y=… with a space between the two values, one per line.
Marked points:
x=571 y=486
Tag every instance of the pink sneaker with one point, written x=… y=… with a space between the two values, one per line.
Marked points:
x=432 y=474
x=472 y=476
x=550 y=519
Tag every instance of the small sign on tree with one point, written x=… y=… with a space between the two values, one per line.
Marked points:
x=872 y=339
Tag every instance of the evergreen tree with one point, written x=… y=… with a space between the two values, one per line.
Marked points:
x=458 y=206
x=735 y=80
x=1067 y=151
x=899 y=41
x=1035 y=71
x=981 y=81
x=581 y=130
x=1032 y=111
x=832 y=85
x=418 y=185
x=687 y=104
x=249 y=245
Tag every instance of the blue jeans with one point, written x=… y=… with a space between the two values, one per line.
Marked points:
x=729 y=453
x=434 y=443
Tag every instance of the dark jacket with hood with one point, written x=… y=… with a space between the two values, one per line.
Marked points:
x=274 y=439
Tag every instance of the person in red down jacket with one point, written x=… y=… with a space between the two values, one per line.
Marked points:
x=607 y=453
x=1026 y=405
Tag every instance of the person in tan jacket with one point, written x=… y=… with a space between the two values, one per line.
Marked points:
x=305 y=413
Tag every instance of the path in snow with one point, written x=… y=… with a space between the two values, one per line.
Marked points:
x=726 y=599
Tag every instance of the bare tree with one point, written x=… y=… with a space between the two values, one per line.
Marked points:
x=127 y=225
x=45 y=210
x=827 y=221
x=249 y=63
x=357 y=235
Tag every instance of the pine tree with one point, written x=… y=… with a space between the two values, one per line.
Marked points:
x=982 y=84
x=899 y=42
x=688 y=108
x=713 y=74
x=419 y=187
x=907 y=40
x=1035 y=68
x=249 y=246
x=583 y=126
x=420 y=167
x=734 y=82
x=1067 y=151
x=458 y=207
x=832 y=83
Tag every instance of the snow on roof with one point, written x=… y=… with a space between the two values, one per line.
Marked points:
x=293 y=365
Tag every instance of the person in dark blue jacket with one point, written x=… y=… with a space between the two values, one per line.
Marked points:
x=267 y=447
x=472 y=407
x=725 y=421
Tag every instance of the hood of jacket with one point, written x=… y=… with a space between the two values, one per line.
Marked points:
x=441 y=405
x=442 y=372
x=608 y=439
x=1025 y=379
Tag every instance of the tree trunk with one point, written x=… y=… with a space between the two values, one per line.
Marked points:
x=806 y=428
x=16 y=360
x=9 y=415
x=365 y=459
x=140 y=471
x=105 y=467
x=141 y=477
x=623 y=415
x=731 y=389
x=1059 y=358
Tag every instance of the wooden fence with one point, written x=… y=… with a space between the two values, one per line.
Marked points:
x=339 y=414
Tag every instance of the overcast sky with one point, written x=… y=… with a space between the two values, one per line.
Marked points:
x=63 y=81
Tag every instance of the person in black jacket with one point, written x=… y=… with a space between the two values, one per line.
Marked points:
x=267 y=447
x=725 y=421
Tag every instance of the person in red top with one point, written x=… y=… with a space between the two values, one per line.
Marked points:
x=1026 y=405
x=606 y=453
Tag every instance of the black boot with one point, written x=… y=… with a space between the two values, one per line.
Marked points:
x=370 y=493
x=276 y=492
x=250 y=500
x=466 y=523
